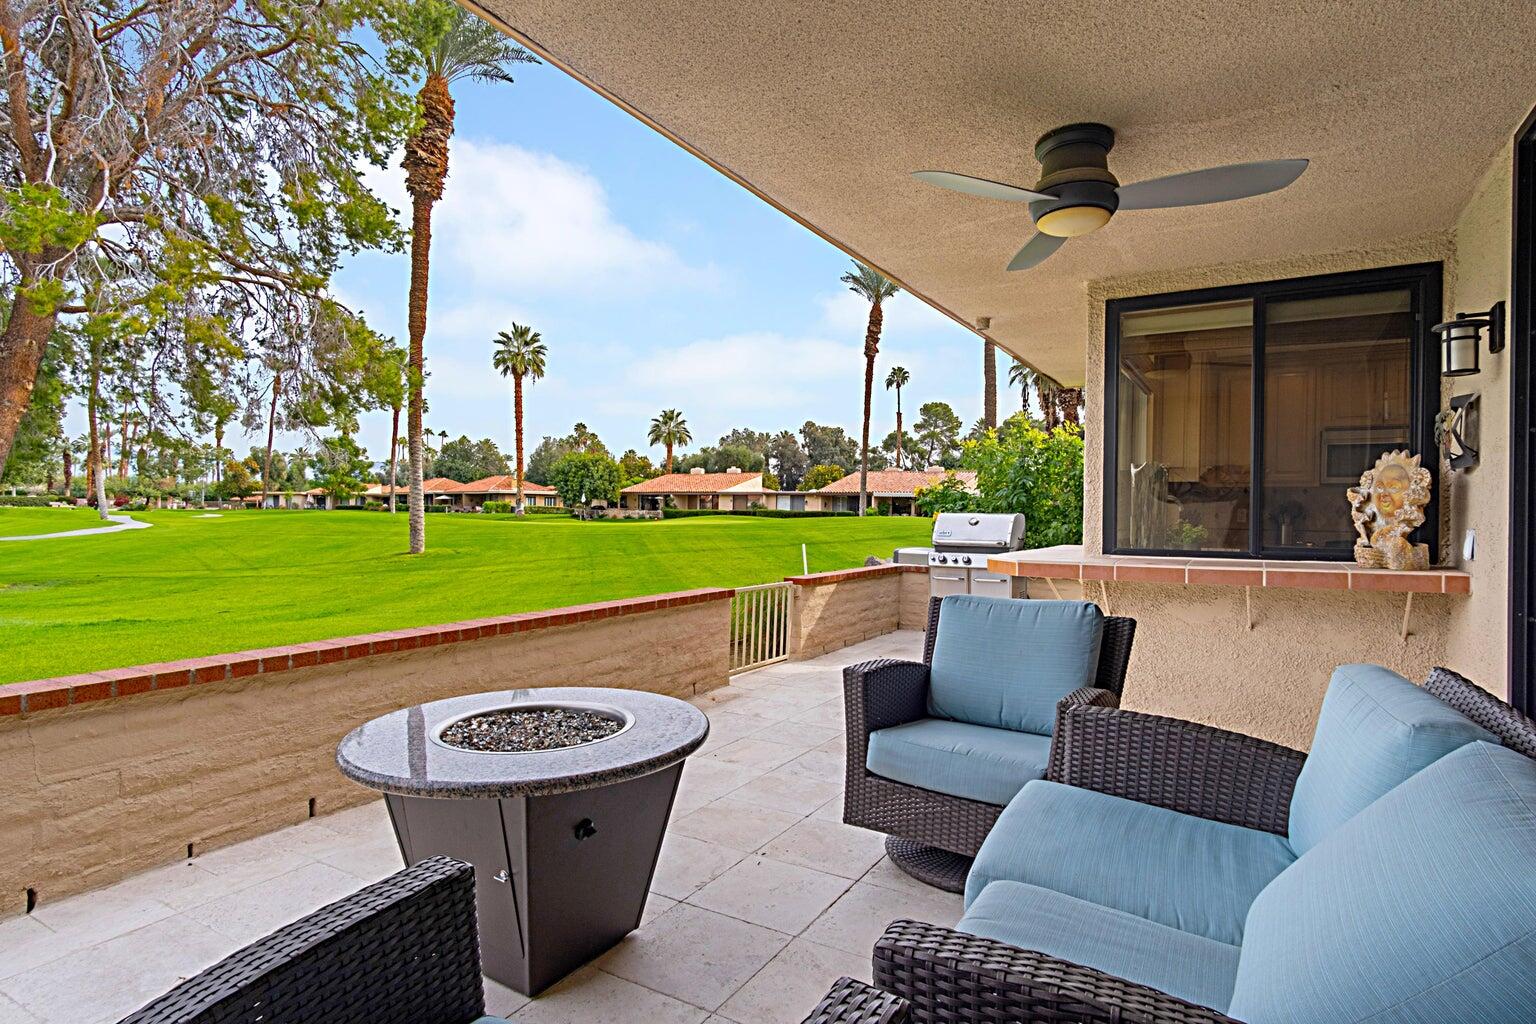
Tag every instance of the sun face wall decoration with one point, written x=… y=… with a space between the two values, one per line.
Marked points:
x=1388 y=506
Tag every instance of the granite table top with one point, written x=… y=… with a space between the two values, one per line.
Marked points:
x=400 y=753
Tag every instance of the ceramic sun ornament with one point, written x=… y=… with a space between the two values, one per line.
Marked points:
x=1388 y=506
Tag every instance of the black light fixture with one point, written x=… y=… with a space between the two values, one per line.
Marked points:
x=1459 y=339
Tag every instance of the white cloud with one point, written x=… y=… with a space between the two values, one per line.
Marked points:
x=512 y=219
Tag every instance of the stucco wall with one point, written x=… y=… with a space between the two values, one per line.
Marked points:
x=833 y=610
x=1195 y=657
x=96 y=791
x=913 y=587
x=1479 y=498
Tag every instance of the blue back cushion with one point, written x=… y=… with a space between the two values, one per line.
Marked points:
x=1376 y=729
x=1421 y=908
x=1006 y=663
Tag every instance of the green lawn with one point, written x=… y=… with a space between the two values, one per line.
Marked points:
x=191 y=586
x=30 y=522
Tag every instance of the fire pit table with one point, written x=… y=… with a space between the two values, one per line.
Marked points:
x=558 y=796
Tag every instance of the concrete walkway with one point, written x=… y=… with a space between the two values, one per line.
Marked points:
x=121 y=523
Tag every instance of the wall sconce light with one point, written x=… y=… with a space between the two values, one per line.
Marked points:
x=1459 y=339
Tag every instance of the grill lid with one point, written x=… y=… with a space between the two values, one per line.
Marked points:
x=978 y=531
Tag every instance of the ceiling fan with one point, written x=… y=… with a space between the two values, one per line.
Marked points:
x=1077 y=193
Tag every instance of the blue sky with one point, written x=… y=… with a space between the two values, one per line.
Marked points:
x=655 y=281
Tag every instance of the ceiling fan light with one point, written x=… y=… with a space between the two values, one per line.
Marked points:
x=1072 y=221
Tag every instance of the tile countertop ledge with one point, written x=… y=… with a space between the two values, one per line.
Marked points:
x=1068 y=562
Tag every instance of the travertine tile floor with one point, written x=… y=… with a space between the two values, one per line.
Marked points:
x=761 y=899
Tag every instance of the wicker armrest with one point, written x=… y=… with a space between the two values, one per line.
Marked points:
x=853 y=1002
x=949 y=977
x=404 y=950
x=1183 y=766
x=1083 y=696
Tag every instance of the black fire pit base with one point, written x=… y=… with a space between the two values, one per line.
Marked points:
x=559 y=879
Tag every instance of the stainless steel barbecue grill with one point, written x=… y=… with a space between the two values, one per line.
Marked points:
x=962 y=543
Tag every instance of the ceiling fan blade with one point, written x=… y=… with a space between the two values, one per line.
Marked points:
x=1212 y=185
x=1036 y=250
x=978 y=186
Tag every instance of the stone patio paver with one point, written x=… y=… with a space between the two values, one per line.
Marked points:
x=761 y=900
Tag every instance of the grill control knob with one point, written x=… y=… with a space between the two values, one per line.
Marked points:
x=966 y=559
x=943 y=560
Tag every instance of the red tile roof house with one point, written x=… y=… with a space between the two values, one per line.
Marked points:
x=731 y=491
x=475 y=493
x=895 y=489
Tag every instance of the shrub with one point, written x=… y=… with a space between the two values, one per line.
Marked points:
x=947 y=495
x=546 y=510
x=1021 y=468
x=496 y=507
x=435 y=508
x=26 y=500
x=765 y=513
x=374 y=506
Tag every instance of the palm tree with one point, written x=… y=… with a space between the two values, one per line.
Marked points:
x=1023 y=378
x=874 y=287
x=670 y=429
x=445 y=44
x=1048 y=393
x=519 y=353
x=898 y=378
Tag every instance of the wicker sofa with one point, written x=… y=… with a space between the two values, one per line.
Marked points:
x=933 y=834
x=404 y=950
x=1406 y=885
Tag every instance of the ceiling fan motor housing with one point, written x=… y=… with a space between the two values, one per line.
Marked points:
x=1074 y=169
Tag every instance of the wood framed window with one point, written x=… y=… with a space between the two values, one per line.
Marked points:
x=1236 y=418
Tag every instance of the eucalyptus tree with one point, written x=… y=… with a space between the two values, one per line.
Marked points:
x=898 y=378
x=433 y=44
x=671 y=430
x=520 y=355
x=207 y=155
x=873 y=287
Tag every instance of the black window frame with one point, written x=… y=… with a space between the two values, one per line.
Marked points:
x=1425 y=284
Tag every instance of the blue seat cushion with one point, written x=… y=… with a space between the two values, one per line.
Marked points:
x=964 y=760
x=1420 y=908
x=1375 y=730
x=1180 y=963
x=1178 y=870
x=1006 y=663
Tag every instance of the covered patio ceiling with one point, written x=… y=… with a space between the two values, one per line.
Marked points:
x=824 y=109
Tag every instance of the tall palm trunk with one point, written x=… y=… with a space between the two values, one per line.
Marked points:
x=96 y=470
x=898 y=427
x=426 y=169
x=989 y=383
x=1048 y=407
x=871 y=349
x=69 y=469
x=517 y=429
x=394 y=451
x=266 y=465
x=669 y=456
x=218 y=450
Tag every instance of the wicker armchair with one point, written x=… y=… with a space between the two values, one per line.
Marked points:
x=949 y=976
x=933 y=835
x=404 y=950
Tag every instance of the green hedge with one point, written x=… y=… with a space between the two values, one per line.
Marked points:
x=26 y=500
x=546 y=510
x=494 y=507
x=764 y=513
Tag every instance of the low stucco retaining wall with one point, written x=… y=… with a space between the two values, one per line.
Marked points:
x=836 y=609
x=108 y=774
